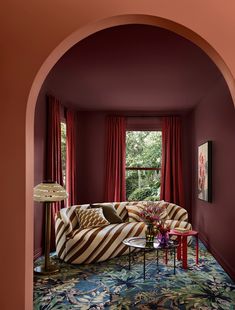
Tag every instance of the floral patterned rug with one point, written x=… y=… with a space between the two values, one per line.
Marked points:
x=110 y=285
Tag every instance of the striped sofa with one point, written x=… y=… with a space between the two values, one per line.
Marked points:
x=84 y=246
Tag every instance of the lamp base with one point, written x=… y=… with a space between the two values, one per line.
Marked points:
x=51 y=269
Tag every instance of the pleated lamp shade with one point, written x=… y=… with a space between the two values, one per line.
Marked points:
x=49 y=192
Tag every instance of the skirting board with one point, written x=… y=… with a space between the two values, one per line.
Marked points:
x=218 y=257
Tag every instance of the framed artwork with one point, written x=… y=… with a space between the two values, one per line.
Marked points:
x=204 y=171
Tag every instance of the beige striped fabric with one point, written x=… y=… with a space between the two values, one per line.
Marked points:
x=65 y=225
x=134 y=209
x=174 y=223
x=82 y=246
x=176 y=212
x=101 y=243
x=121 y=210
x=70 y=216
x=89 y=218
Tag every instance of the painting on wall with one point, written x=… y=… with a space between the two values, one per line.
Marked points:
x=204 y=171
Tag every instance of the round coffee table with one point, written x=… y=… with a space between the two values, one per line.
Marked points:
x=140 y=243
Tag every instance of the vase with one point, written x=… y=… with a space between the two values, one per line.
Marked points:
x=163 y=238
x=149 y=235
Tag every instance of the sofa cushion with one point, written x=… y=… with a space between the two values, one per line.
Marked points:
x=121 y=210
x=134 y=211
x=109 y=213
x=135 y=208
x=91 y=218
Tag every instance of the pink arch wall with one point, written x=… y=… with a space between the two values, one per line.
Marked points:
x=92 y=28
x=17 y=247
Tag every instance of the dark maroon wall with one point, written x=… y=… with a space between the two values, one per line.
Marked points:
x=133 y=68
x=39 y=168
x=90 y=182
x=91 y=159
x=91 y=156
x=187 y=161
x=214 y=119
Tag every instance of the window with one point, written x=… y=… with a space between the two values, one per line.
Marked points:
x=63 y=151
x=143 y=165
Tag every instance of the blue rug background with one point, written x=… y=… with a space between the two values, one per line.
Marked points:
x=110 y=285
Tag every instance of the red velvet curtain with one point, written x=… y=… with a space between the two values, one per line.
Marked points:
x=115 y=149
x=70 y=156
x=53 y=155
x=171 y=171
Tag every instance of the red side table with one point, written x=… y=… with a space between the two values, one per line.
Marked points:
x=183 y=245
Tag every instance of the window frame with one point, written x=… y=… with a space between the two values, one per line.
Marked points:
x=64 y=175
x=158 y=169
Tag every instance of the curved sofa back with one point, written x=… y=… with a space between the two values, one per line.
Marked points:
x=68 y=215
x=70 y=239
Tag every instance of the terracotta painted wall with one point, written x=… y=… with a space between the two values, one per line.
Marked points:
x=30 y=31
x=214 y=119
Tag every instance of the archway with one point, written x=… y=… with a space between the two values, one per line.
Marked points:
x=66 y=45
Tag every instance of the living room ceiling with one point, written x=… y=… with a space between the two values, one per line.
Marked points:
x=133 y=68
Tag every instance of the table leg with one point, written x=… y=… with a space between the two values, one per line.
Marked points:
x=185 y=251
x=179 y=249
x=144 y=264
x=129 y=258
x=174 y=260
x=157 y=260
x=166 y=256
x=197 y=249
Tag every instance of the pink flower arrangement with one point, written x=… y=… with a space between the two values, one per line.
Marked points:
x=163 y=228
x=152 y=213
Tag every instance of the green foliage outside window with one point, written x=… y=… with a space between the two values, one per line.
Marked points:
x=144 y=150
x=63 y=150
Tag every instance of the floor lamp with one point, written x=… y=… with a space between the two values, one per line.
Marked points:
x=48 y=192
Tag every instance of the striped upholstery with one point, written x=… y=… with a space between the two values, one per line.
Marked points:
x=120 y=207
x=121 y=210
x=101 y=243
x=134 y=209
x=66 y=223
x=182 y=224
x=177 y=213
x=83 y=246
